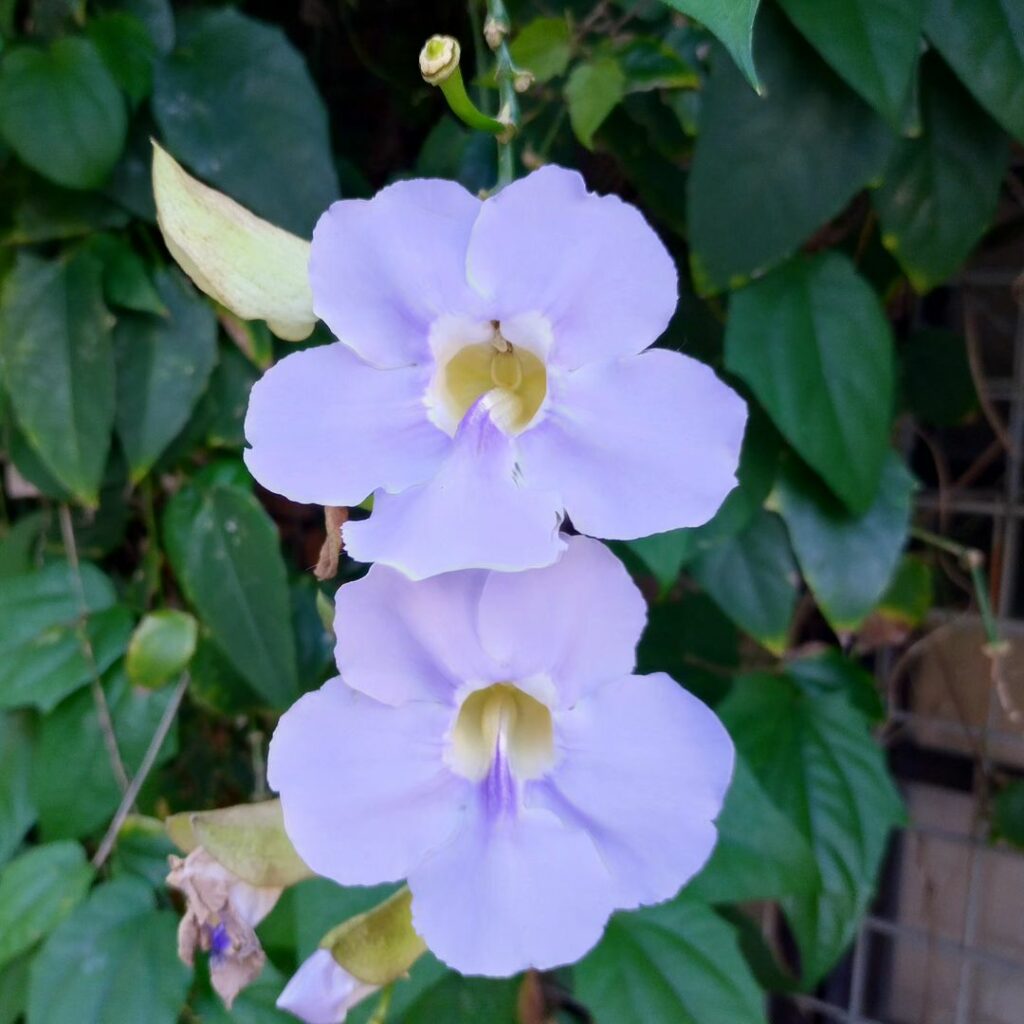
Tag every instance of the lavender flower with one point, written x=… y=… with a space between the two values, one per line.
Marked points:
x=489 y=743
x=491 y=376
x=322 y=992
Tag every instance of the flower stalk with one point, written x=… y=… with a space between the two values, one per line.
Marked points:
x=510 y=82
x=439 y=65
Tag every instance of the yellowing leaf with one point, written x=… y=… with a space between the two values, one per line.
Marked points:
x=257 y=270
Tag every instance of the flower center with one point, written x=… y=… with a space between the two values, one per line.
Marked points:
x=502 y=720
x=512 y=376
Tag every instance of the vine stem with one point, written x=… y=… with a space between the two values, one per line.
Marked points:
x=106 y=722
x=508 y=98
x=148 y=760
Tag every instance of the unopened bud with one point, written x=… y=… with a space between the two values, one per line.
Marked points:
x=495 y=30
x=522 y=81
x=439 y=59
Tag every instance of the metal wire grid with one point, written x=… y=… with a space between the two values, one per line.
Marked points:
x=858 y=990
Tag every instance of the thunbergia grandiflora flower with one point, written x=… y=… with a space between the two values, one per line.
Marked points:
x=221 y=915
x=322 y=992
x=491 y=376
x=488 y=741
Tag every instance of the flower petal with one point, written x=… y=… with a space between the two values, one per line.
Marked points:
x=502 y=896
x=383 y=269
x=645 y=770
x=363 y=785
x=321 y=991
x=577 y=621
x=476 y=513
x=327 y=428
x=591 y=264
x=400 y=640
x=638 y=446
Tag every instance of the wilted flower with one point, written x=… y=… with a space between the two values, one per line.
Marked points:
x=321 y=991
x=491 y=376
x=221 y=914
x=490 y=743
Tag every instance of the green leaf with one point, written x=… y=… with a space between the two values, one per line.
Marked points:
x=59 y=365
x=70 y=745
x=940 y=190
x=938 y=386
x=768 y=171
x=830 y=672
x=847 y=560
x=983 y=41
x=433 y=993
x=42 y=658
x=161 y=647
x=319 y=905
x=20 y=544
x=127 y=49
x=733 y=22
x=651 y=64
x=593 y=91
x=45 y=213
x=156 y=15
x=872 y=44
x=236 y=103
x=1008 y=813
x=676 y=963
x=163 y=365
x=694 y=642
x=910 y=594
x=14 y=985
x=817 y=761
x=812 y=342
x=142 y=850
x=17 y=810
x=62 y=113
x=126 y=282
x=37 y=891
x=760 y=853
x=753 y=578
x=113 y=959
x=225 y=551
x=542 y=47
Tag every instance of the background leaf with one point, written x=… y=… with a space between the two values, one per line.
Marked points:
x=768 y=170
x=163 y=366
x=113 y=959
x=812 y=342
x=676 y=963
x=59 y=365
x=592 y=93
x=224 y=549
x=940 y=190
x=817 y=761
x=828 y=540
x=983 y=41
x=732 y=21
x=62 y=113
x=872 y=44
x=236 y=103
x=37 y=891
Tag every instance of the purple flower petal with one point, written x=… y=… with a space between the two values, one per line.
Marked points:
x=639 y=445
x=399 y=640
x=502 y=896
x=383 y=269
x=591 y=264
x=327 y=428
x=363 y=785
x=578 y=621
x=475 y=513
x=645 y=769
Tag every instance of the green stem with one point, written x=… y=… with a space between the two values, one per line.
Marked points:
x=380 y=1012
x=508 y=98
x=462 y=106
x=973 y=560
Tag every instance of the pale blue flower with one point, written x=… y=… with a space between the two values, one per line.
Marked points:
x=488 y=741
x=490 y=377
